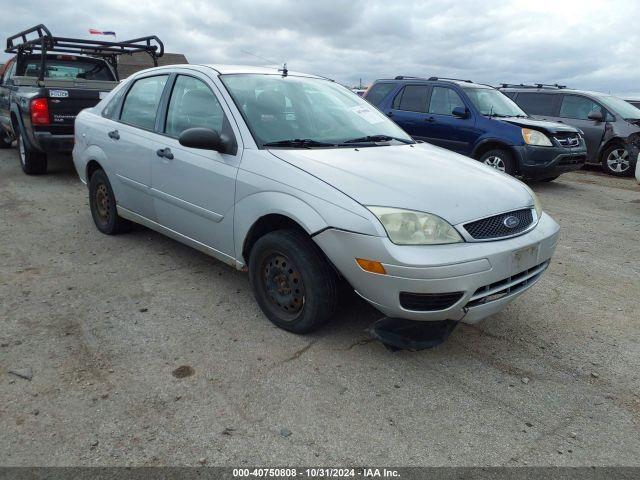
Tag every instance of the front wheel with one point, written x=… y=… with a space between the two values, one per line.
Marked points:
x=500 y=160
x=33 y=162
x=294 y=285
x=102 y=203
x=616 y=161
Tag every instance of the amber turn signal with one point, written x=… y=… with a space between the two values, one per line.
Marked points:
x=371 y=266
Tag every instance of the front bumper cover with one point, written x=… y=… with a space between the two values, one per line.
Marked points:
x=462 y=267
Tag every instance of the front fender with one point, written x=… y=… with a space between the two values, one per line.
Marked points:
x=253 y=207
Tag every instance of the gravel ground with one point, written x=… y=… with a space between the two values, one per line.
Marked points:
x=103 y=324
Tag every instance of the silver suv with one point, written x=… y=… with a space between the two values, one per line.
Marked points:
x=305 y=185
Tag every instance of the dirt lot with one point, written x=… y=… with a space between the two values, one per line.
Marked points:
x=102 y=322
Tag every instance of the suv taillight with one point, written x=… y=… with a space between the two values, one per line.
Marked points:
x=40 y=111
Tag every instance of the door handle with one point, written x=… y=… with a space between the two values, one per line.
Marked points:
x=114 y=134
x=389 y=114
x=165 y=153
x=430 y=119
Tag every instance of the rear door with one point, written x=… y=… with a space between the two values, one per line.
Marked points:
x=194 y=189
x=128 y=143
x=574 y=110
x=445 y=130
x=409 y=110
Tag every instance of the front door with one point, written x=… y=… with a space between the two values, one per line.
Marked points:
x=454 y=133
x=194 y=189
x=575 y=110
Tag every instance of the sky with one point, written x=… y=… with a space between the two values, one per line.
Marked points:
x=583 y=44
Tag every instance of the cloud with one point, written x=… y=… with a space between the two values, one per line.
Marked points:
x=584 y=44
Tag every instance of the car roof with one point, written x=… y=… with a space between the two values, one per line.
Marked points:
x=551 y=90
x=419 y=80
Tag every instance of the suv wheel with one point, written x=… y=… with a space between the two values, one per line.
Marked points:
x=102 y=203
x=33 y=162
x=500 y=160
x=294 y=285
x=616 y=161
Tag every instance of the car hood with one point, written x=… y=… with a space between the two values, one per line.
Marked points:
x=418 y=177
x=541 y=125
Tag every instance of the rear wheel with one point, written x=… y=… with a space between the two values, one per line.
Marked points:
x=292 y=282
x=102 y=202
x=33 y=162
x=616 y=161
x=499 y=159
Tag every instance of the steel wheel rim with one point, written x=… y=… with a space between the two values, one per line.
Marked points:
x=283 y=285
x=618 y=160
x=23 y=155
x=495 y=162
x=102 y=202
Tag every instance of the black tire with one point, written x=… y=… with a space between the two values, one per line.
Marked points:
x=616 y=161
x=499 y=159
x=33 y=162
x=292 y=282
x=102 y=202
x=5 y=139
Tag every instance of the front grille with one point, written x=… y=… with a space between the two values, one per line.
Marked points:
x=498 y=226
x=515 y=283
x=428 y=302
x=568 y=139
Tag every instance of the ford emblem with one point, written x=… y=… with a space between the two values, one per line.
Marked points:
x=511 y=222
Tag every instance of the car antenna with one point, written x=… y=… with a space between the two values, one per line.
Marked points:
x=261 y=58
x=284 y=70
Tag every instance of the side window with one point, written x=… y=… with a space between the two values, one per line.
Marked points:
x=141 y=104
x=192 y=104
x=413 y=98
x=574 y=106
x=444 y=100
x=113 y=106
x=378 y=92
x=538 y=103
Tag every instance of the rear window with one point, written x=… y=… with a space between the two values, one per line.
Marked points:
x=538 y=103
x=69 y=69
x=378 y=92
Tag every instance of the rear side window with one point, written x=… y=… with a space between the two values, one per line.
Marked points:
x=579 y=108
x=444 y=100
x=378 y=92
x=412 y=98
x=538 y=103
x=69 y=69
x=141 y=104
x=193 y=104
x=112 y=109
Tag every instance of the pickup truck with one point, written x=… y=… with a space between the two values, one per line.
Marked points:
x=48 y=82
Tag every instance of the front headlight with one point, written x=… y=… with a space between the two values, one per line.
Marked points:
x=537 y=204
x=408 y=227
x=534 y=137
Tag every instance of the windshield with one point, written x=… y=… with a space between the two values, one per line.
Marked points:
x=620 y=107
x=492 y=102
x=312 y=111
x=69 y=69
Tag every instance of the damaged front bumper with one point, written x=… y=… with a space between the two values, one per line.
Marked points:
x=461 y=282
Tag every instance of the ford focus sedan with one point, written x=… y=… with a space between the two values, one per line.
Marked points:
x=303 y=184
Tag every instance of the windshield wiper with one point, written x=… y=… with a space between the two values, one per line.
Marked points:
x=298 y=142
x=377 y=138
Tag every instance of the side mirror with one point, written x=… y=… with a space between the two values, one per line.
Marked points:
x=596 y=115
x=203 y=138
x=460 y=112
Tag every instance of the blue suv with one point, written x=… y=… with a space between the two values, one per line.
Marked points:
x=481 y=122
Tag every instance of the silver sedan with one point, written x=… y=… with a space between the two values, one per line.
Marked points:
x=305 y=185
